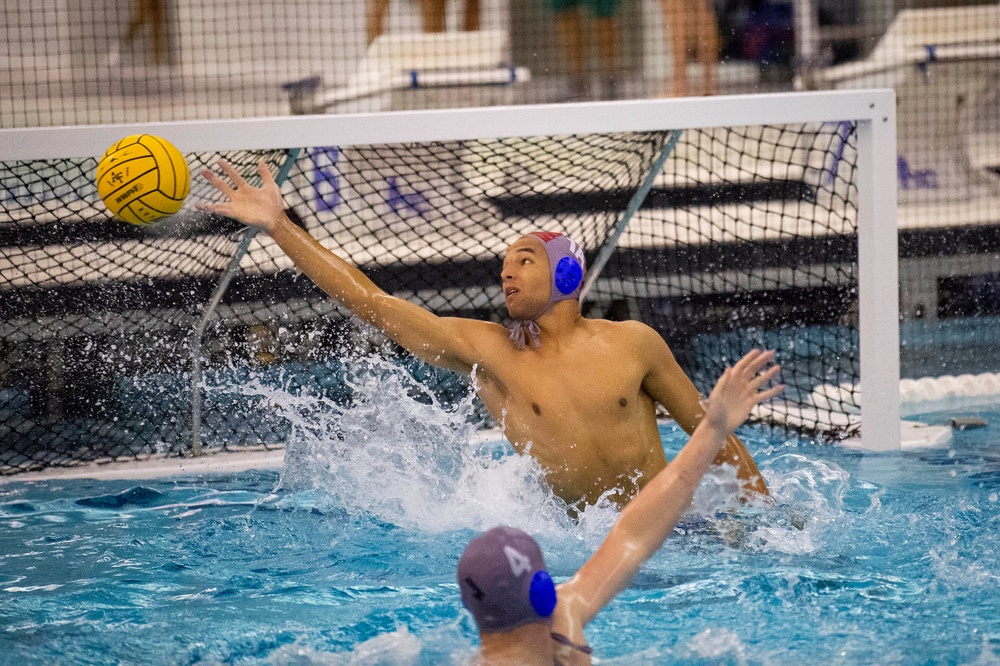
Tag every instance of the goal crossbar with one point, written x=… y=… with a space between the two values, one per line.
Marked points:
x=461 y=124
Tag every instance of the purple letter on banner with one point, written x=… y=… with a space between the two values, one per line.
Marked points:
x=326 y=182
x=415 y=201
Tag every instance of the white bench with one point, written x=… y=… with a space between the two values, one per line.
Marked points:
x=923 y=36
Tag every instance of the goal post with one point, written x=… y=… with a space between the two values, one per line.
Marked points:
x=878 y=273
x=696 y=207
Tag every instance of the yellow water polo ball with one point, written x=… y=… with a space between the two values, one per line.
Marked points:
x=143 y=178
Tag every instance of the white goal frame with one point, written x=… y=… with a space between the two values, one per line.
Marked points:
x=874 y=111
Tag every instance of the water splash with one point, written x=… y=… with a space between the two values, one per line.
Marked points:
x=810 y=495
x=395 y=648
x=718 y=645
x=397 y=455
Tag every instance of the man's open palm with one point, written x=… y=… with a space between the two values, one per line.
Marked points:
x=739 y=390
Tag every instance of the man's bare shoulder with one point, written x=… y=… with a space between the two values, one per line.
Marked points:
x=477 y=325
x=629 y=330
x=478 y=331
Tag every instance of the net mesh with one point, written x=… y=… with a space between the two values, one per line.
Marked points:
x=97 y=314
x=751 y=242
x=747 y=238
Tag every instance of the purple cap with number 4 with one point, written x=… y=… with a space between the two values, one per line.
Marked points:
x=504 y=582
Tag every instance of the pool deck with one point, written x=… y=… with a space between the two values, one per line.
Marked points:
x=155 y=467
x=212 y=461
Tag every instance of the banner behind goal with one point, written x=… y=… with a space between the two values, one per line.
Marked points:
x=723 y=230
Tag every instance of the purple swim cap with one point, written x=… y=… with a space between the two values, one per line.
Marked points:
x=567 y=265
x=504 y=582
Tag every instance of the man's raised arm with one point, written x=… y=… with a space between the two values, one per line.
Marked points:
x=441 y=341
x=649 y=518
x=668 y=384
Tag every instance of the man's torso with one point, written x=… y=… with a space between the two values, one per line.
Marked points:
x=579 y=404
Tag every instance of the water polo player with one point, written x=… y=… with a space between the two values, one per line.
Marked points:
x=522 y=617
x=577 y=394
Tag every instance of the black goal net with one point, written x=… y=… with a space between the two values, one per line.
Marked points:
x=720 y=239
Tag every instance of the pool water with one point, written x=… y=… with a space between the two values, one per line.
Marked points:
x=347 y=556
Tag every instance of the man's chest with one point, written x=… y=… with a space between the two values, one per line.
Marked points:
x=579 y=384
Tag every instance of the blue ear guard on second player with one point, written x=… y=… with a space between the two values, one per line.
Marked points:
x=568 y=275
x=542 y=593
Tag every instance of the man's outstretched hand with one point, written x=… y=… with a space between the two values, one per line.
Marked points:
x=260 y=207
x=739 y=390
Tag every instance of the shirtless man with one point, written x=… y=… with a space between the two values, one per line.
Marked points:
x=522 y=617
x=579 y=395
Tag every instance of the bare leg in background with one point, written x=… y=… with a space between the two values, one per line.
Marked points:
x=692 y=26
x=433 y=14
x=152 y=12
x=471 y=15
x=607 y=51
x=377 y=10
x=569 y=25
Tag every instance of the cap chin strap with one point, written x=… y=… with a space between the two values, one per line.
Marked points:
x=522 y=328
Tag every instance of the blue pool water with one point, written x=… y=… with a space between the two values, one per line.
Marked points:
x=347 y=556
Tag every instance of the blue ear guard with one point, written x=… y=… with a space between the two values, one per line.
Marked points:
x=542 y=593
x=568 y=275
